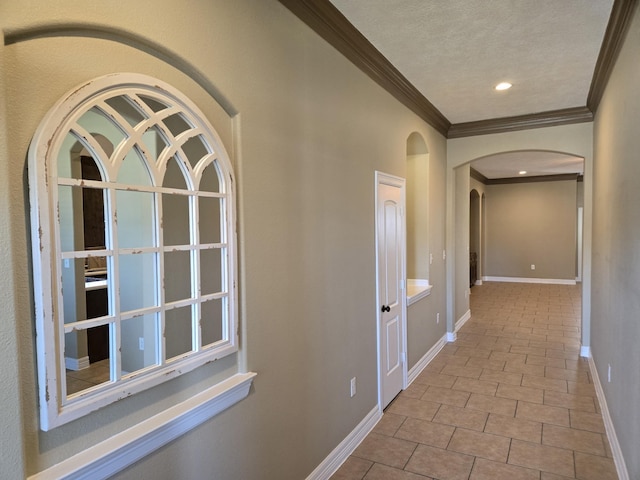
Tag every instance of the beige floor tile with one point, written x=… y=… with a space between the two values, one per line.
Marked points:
x=491 y=404
x=486 y=363
x=473 y=352
x=415 y=390
x=544 y=383
x=413 y=407
x=455 y=360
x=488 y=375
x=389 y=424
x=586 y=389
x=565 y=374
x=527 y=430
x=578 y=440
x=428 y=433
x=543 y=413
x=394 y=452
x=461 y=417
x=446 y=396
x=475 y=386
x=488 y=470
x=435 y=379
x=545 y=361
x=515 y=392
x=566 y=400
x=541 y=352
x=462 y=371
x=587 y=421
x=541 y=457
x=440 y=464
x=553 y=476
x=591 y=467
x=383 y=472
x=353 y=468
x=517 y=367
x=485 y=445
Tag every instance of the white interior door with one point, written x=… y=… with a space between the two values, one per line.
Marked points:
x=390 y=243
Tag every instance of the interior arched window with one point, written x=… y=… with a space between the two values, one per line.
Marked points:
x=133 y=243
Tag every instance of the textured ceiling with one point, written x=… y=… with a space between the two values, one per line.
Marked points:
x=455 y=51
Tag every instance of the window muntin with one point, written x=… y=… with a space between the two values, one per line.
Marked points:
x=150 y=268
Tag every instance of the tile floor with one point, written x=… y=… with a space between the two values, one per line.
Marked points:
x=510 y=399
x=95 y=374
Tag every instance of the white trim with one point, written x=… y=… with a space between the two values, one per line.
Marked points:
x=118 y=452
x=478 y=282
x=426 y=359
x=462 y=320
x=451 y=337
x=339 y=455
x=417 y=289
x=76 y=364
x=616 y=451
x=585 y=351
x=552 y=281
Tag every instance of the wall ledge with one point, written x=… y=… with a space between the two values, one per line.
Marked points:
x=417 y=289
x=118 y=452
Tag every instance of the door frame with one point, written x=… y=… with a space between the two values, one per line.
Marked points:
x=382 y=178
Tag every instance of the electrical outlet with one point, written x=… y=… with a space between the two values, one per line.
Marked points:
x=141 y=343
x=533 y=267
x=438 y=317
x=353 y=386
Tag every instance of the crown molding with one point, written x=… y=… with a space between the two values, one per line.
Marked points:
x=563 y=177
x=476 y=175
x=327 y=21
x=521 y=122
x=619 y=21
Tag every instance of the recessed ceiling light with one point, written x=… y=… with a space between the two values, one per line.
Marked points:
x=522 y=172
x=503 y=86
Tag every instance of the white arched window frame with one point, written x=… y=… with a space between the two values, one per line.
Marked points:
x=152 y=129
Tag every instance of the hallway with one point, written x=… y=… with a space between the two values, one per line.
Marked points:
x=510 y=399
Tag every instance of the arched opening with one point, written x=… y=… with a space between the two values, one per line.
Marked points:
x=417 y=216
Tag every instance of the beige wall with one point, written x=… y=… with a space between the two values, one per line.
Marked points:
x=306 y=131
x=531 y=223
x=616 y=246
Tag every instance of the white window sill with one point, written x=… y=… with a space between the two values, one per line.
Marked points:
x=417 y=289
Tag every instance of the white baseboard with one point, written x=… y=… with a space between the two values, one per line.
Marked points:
x=478 y=282
x=339 y=454
x=552 y=281
x=424 y=361
x=127 y=447
x=76 y=364
x=451 y=336
x=462 y=320
x=585 y=351
x=618 y=459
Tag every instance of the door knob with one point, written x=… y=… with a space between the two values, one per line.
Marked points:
x=386 y=308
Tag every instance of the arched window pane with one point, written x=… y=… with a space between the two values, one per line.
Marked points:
x=126 y=109
x=95 y=121
x=134 y=170
x=210 y=181
x=136 y=219
x=195 y=149
x=173 y=176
